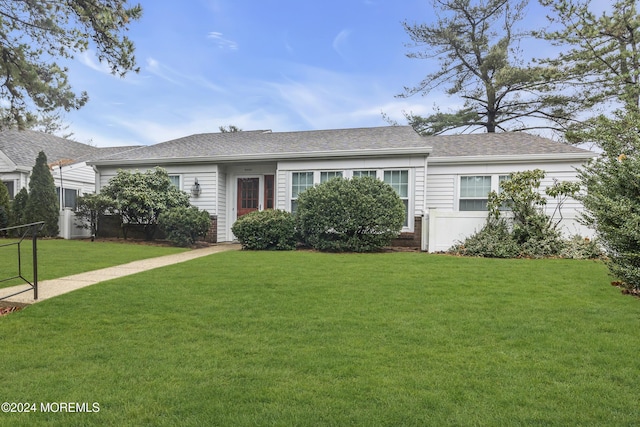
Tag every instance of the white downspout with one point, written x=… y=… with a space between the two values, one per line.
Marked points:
x=97 y=179
x=424 y=238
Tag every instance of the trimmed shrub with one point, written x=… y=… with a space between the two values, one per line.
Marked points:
x=184 y=225
x=271 y=229
x=362 y=214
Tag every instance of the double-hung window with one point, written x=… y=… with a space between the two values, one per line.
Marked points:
x=175 y=180
x=69 y=199
x=300 y=181
x=327 y=175
x=359 y=174
x=399 y=180
x=474 y=191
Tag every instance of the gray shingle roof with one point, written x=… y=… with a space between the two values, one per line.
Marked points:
x=498 y=144
x=23 y=147
x=267 y=145
x=277 y=144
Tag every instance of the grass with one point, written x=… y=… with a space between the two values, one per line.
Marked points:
x=59 y=258
x=299 y=338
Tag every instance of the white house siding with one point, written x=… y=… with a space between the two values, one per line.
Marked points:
x=419 y=182
x=78 y=176
x=282 y=179
x=221 y=211
x=440 y=190
x=446 y=224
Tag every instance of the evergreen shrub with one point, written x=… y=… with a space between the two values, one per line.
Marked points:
x=612 y=196
x=271 y=229
x=184 y=225
x=362 y=214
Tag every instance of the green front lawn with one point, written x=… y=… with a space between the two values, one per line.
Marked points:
x=59 y=258
x=301 y=338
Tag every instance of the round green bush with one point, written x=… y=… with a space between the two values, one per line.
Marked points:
x=271 y=229
x=184 y=225
x=362 y=214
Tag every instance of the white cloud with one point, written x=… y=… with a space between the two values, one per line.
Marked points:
x=222 y=42
x=154 y=67
x=178 y=78
x=304 y=98
x=340 y=43
x=89 y=59
x=199 y=120
x=203 y=82
x=98 y=139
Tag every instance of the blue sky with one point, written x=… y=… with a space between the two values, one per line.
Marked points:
x=285 y=65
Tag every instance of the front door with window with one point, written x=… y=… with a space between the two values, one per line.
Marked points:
x=248 y=195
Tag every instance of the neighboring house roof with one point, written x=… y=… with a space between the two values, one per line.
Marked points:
x=105 y=152
x=378 y=141
x=23 y=146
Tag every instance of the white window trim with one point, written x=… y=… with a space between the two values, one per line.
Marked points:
x=179 y=176
x=319 y=177
x=62 y=197
x=290 y=198
x=351 y=172
x=410 y=191
x=495 y=186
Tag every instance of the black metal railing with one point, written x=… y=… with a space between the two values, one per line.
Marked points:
x=24 y=232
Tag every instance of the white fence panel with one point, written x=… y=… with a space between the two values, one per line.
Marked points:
x=69 y=226
x=443 y=229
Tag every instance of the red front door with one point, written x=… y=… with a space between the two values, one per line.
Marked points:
x=248 y=195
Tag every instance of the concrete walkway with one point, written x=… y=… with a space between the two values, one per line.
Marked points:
x=51 y=288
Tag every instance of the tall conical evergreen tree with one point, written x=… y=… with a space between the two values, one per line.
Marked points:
x=19 y=207
x=5 y=206
x=42 y=204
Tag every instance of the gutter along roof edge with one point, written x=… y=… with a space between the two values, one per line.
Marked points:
x=405 y=151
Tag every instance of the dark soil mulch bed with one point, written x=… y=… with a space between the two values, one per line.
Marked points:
x=8 y=307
